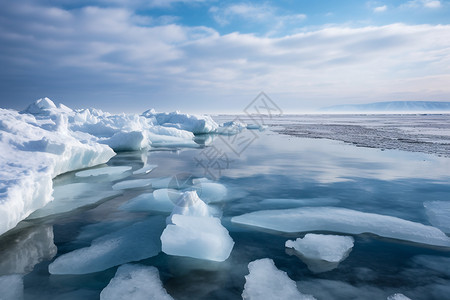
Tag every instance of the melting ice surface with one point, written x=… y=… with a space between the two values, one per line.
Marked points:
x=91 y=247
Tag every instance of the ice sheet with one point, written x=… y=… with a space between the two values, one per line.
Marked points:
x=132 y=243
x=265 y=281
x=344 y=221
x=135 y=282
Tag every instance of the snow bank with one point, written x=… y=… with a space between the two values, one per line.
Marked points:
x=132 y=243
x=32 y=152
x=192 y=123
x=265 y=281
x=344 y=221
x=135 y=282
x=194 y=232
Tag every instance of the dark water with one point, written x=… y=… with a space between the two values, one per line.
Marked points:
x=255 y=166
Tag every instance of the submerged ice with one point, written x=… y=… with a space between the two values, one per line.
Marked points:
x=343 y=220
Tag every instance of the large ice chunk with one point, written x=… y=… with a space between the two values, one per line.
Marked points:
x=193 y=231
x=321 y=252
x=344 y=221
x=135 y=282
x=265 y=281
x=438 y=213
x=132 y=243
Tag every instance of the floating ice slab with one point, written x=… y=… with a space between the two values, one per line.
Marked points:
x=145 y=169
x=331 y=248
x=438 y=213
x=72 y=196
x=197 y=237
x=135 y=282
x=132 y=184
x=132 y=243
x=265 y=281
x=189 y=204
x=111 y=171
x=22 y=251
x=321 y=253
x=211 y=192
x=11 y=287
x=344 y=221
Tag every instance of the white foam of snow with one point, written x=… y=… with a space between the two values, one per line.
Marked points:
x=132 y=243
x=110 y=171
x=137 y=282
x=265 y=281
x=344 y=221
x=438 y=213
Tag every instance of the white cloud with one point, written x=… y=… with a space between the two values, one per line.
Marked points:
x=370 y=63
x=379 y=9
x=423 y=3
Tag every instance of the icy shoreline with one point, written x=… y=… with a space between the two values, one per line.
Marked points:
x=46 y=140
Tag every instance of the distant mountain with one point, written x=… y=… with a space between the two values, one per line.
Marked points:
x=392 y=106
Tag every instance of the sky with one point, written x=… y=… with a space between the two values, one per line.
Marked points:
x=209 y=56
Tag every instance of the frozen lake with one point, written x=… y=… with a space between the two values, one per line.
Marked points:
x=393 y=187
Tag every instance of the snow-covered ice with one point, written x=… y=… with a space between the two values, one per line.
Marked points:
x=332 y=248
x=135 y=282
x=132 y=243
x=438 y=213
x=111 y=171
x=72 y=196
x=344 y=221
x=397 y=296
x=321 y=252
x=193 y=231
x=266 y=281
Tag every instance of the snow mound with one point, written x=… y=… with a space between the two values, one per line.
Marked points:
x=438 y=213
x=331 y=248
x=343 y=220
x=32 y=152
x=192 y=123
x=135 y=282
x=132 y=243
x=265 y=281
x=193 y=231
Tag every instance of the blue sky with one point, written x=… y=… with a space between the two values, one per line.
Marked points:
x=207 y=56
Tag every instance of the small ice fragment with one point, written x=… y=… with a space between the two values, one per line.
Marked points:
x=132 y=184
x=145 y=169
x=135 y=282
x=132 y=243
x=103 y=171
x=197 y=237
x=398 y=296
x=438 y=213
x=343 y=220
x=331 y=248
x=265 y=281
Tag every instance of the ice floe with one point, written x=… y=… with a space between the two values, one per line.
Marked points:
x=438 y=213
x=110 y=171
x=132 y=243
x=135 y=282
x=397 y=296
x=343 y=220
x=11 y=287
x=72 y=196
x=193 y=231
x=321 y=252
x=266 y=281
